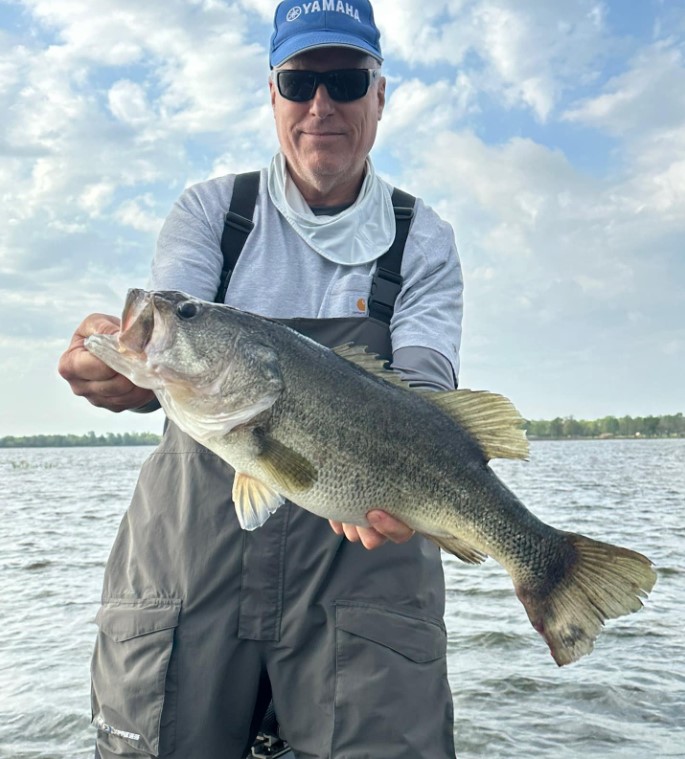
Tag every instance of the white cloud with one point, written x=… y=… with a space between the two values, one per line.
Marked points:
x=438 y=37
x=128 y=103
x=561 y=268
x=645 y=107
x=523 y=53
x=649 y=96
x=265 y=8
x=137 y=213
x=102 y=101
x=417 y=111
x=96 y=197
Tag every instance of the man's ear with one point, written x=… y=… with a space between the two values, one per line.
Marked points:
x=272 y=92
x=381 y=97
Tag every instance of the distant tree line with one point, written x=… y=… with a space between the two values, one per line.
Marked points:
x=72 y=441
x=672 y=425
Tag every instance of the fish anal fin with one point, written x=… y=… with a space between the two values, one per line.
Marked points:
x=254 y=501
x=289 y=469
x=491 y=419
x=459 y=548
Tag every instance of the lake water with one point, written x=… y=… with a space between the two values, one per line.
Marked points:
x=61 y=509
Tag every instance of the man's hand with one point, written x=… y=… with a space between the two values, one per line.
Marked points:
x=383 y=527
x=93 y=379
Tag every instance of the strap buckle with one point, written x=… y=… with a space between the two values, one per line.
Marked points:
x=269 y=747
x=238 y=222
x=404 y=213
x=385 y=288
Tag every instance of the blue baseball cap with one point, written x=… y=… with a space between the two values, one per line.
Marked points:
x=300 y=26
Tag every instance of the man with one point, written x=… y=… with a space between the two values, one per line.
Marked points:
x=201 y=623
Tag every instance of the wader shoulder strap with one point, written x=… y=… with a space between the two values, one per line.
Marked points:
x=387 y=281
x=237 y=226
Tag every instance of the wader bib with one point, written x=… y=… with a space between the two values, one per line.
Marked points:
x=202 y=622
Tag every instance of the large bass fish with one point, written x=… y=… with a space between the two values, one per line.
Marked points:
x=338 y=434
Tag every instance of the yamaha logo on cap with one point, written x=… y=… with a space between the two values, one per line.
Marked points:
x=337 y=6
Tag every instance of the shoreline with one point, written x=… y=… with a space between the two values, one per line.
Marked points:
x=604 y=438
x=29 y=442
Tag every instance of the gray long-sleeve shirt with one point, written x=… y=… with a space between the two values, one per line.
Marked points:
x=278 y=275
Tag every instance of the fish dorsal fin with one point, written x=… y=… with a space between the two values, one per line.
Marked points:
x=254 y=501
x=491 y=419
x=370 y=362
x=289 y=469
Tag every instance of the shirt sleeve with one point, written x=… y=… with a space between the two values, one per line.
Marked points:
x=424 y=368
x=429 y=307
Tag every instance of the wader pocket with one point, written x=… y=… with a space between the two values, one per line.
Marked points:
x=129 y=672
x=391 y=684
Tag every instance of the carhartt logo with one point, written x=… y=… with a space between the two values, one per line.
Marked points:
x=337 y=6
x=356 y=304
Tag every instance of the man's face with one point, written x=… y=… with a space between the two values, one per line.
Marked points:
x=326 y=142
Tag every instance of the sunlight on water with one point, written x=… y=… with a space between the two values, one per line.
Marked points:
x=62 y=507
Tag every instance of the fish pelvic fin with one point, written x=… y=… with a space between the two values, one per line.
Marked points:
x=492 y=420
x=459 y=548
x=254 y=501
x=601 y=581
x=289 y=469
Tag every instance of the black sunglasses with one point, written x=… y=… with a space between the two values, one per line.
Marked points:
x=343 y=85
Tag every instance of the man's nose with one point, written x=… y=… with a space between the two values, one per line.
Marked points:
x=321 y=104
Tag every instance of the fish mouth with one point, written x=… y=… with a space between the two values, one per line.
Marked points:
x=137 y=322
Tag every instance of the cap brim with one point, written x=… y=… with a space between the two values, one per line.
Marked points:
x=307 y=42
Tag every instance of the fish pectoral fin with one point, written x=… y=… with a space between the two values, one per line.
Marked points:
x=254 y=501
x=491 y=419
x=289 y=469
x=459 y=548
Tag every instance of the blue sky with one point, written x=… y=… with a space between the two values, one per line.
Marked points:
x=550 y=135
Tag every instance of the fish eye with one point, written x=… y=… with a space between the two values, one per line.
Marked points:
x=187 y=310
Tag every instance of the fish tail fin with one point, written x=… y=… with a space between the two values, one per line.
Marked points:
x=598 y=581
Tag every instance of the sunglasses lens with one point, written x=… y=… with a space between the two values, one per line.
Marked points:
x=343 y=86
x=296 y=85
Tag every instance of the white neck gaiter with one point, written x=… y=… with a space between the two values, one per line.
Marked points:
x=357 y=235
